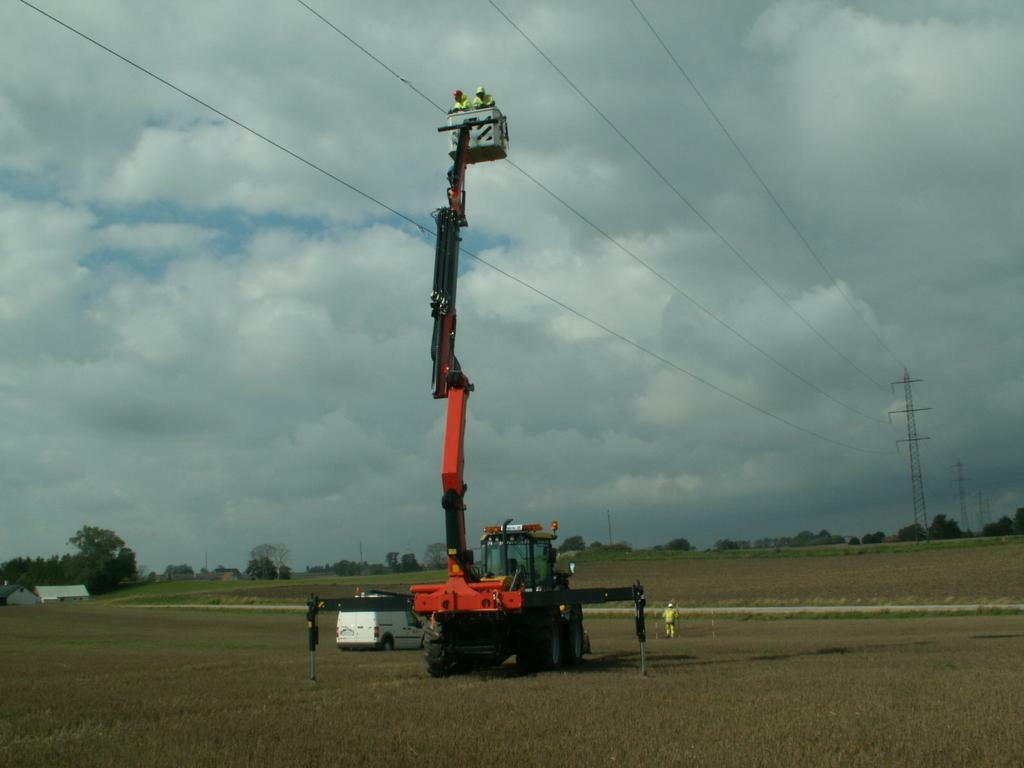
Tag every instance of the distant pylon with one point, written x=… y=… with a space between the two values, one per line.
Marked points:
x=982 y=510
x=959 y=467
x=912 y=439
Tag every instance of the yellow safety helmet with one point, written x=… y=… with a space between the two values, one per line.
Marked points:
x=480 y=90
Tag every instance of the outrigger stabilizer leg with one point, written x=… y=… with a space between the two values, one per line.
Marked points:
x=639 y=603
x=314 y=633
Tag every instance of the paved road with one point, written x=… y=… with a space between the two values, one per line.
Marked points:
x=708 y=610
x=797 y=609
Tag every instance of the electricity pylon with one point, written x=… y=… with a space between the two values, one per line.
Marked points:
x=959 y=467
x=912 y=439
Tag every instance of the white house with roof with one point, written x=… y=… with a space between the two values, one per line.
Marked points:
x=15 y=594
x=63 y=594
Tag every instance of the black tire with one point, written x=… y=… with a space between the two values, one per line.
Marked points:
x=388 y=643
x=553 y=654
x=441 y=661
x=573 y=641
x=539 y=645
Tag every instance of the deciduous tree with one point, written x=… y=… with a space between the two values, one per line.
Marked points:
x=276 y=555
x=435 y=556
x=261 y=567
x=943 y=527
x=914 y=532
x=102 y=561
x=573 y=544
x=1001 y=527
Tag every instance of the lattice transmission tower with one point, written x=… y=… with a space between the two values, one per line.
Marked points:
x=912 y=439
x=983 y=510
x=960 y=480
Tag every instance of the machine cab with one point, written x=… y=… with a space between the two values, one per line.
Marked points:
x=524 y=553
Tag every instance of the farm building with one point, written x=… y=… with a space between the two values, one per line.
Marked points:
x=63 y=594
x=15 y=594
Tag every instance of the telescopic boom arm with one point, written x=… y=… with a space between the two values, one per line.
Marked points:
x=448 y=379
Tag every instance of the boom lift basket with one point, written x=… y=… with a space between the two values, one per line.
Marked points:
x=487 y=142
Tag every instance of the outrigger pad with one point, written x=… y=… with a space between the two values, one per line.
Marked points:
x=487 y=142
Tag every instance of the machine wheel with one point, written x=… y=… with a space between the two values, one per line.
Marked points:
x=573 y=640
x=553 y=657
x=539 y=644
x=441 y=662
x=388 y=643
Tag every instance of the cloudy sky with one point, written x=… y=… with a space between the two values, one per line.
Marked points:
x=206 y=344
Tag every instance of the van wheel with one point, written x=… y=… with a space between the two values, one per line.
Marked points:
x=388 y=644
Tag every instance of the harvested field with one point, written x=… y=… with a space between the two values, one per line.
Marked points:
x=104 y=686
x=957 y=575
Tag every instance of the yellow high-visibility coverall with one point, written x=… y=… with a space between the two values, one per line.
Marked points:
x=483 y=99
x=670 y=615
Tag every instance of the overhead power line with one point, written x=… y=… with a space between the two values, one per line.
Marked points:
x=763 y=183
x=357 y=45
x=696 y=212
x=701 y=306
x=577 y=313
x=612 y=240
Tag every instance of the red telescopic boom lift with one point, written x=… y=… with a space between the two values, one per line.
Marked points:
x=515 y=602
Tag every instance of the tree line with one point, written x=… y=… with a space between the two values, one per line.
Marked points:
x=102 y=562
x=434 y=557
x=941 y=527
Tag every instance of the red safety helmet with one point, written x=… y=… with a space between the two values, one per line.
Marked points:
x=457 y=94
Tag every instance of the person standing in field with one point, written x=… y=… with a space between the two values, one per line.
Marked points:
x=670 y=616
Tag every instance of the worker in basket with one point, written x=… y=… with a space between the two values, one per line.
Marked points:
x=483 y=99
x=670 y=616
x=461 y=102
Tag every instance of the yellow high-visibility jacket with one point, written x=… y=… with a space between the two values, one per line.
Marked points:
x=461 y=105
x=483 y=101
x=670 y=615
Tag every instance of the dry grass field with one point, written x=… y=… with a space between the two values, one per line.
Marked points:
x=98 y=685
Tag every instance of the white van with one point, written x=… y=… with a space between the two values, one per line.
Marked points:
x=387 y=630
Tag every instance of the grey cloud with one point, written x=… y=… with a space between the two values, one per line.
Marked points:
x=271 y=383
